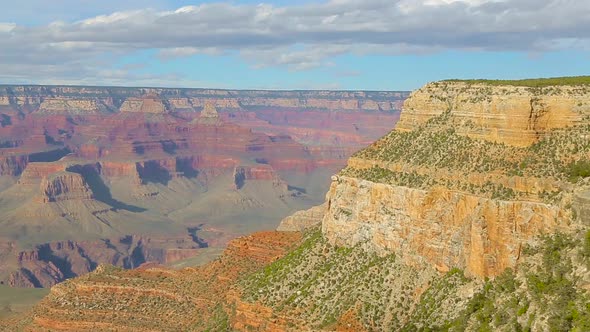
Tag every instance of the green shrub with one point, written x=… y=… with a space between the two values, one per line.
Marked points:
x=578 y=169
x=533 y=83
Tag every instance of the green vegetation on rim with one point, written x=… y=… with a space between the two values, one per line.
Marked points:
x=534 y=83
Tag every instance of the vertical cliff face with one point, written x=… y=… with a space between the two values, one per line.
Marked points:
x=471 y=174
x=514 y=115
x=144 y=104
x=439 y=227
x=64 y=186
x=301 y=221
x=85 y=100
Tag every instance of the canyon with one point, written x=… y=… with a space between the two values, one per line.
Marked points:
x=470 y=215
x=127 y=176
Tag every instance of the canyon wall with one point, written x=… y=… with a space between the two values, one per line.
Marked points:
x=78 y=100
x=435 y=226
x=439 y=227
x=471 y=174
x=514 y=115
x=50 y=263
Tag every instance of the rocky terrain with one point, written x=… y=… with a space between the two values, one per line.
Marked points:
x=452 y=221
x=125 y=176
x=153 y=298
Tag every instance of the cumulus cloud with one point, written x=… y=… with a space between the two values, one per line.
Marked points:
x=298 y=37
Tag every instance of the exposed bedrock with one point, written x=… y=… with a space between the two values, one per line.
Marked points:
x=478 y=215
x=50 y=263
x=512 y=115
x=439 y=226
x=66 y=99
x=62 y=186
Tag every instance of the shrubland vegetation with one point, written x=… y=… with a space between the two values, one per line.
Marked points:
x=437 y=148
x=537 y=82
x=545 y=294
x=319 y=283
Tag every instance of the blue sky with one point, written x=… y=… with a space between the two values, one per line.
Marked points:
x=280 y=44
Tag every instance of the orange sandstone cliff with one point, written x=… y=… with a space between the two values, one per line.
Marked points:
x=471 y=174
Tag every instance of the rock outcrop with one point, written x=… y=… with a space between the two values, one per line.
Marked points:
x=62 y=186
x=514 y=115
x=13 y=165
x=209 y=111
x=145 y=104
x=439 y=227
x=471 y=174
x=152 y=290
x=301 y=221
x=72 y=106
x=242 y=174
x=209 y=115
x=50 y=263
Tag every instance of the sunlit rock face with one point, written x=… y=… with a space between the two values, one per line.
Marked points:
x=398 y=197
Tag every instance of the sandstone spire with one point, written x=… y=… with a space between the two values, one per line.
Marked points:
x=209 y=111
x=209 y=115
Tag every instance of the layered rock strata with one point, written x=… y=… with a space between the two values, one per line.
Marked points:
x=514 y=115
x=471 y=174
x=75 y=100
x=303 y=220
x=50 y=263
x=63 y=186
x=438 y=227
x=89 y=163
x=405 y=244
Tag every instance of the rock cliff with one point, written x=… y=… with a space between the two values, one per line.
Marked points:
x=72 y=106
x=63 y=186
x=80 y=100
x=242 y=174
x=514 y=115
x=50 y=263
x=151 y=290
x=303 y=220
x=145 y=104
x=471 y=174
x=439 y=227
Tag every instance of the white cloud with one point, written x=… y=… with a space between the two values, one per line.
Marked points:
x=7 y=27
x=179 y=52
x=297 y=37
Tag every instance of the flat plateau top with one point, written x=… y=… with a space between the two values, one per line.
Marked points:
x=533 y=83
